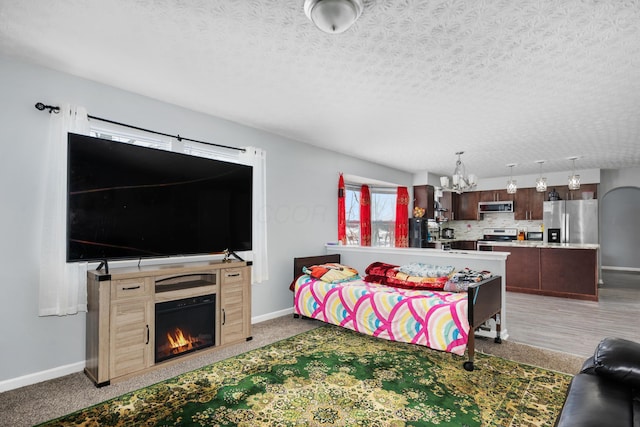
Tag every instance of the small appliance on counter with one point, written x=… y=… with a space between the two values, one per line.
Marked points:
x=535 y=235
x=447 y=233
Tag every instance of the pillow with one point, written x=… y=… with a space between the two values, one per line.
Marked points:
x=619 y=360
x=332 y=272
x=426 y=270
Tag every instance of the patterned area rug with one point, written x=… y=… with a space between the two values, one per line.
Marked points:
x=335 y=377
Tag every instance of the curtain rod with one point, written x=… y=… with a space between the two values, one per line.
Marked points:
x=55 y=109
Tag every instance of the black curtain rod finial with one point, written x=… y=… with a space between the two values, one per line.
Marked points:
x=52 y=108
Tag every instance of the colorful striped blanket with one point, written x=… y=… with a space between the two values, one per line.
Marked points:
x=434 y=319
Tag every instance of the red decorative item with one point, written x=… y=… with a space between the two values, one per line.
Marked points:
x=342 y=223
x=365 y=216
x=402 y=218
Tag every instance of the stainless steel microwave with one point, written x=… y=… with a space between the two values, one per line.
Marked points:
x=496 y=207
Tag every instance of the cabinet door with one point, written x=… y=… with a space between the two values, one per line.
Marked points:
x=570 y=271
x=131 y=346
x=131 y=323
x=528 y=204
x=447 y=203
x=423 y=197
x=466 y=206
x=494 y=196
x=235 y=305
x=523 y=267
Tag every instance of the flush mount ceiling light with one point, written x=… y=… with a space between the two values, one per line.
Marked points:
x=574 y=179
x=461 y=182
x=541 y=182
x=512 y=186
x=333 y=16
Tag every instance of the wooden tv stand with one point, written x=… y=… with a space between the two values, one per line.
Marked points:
x=121 y=312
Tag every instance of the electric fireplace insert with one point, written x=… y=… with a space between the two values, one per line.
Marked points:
x=184 y=326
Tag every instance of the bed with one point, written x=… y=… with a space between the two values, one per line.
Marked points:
x=436 y=319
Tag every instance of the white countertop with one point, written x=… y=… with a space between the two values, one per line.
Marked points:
x=539 y=244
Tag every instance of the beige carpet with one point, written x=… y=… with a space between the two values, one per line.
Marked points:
x=44 y=401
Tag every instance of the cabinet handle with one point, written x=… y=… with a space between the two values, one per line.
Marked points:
x=233 y=274
x=131 y=288
x=147 y=335
x=224 y=316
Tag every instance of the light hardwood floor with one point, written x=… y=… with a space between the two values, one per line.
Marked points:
x=574 y=326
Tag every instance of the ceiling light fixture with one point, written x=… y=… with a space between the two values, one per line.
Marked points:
x=512 y=186
x=333 y=16
x=574 y=179
x=541 y=182
x=461 y=182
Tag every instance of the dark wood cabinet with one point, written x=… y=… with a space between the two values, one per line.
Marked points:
x=559 y=272
x=523 y=268
x=465 y=205
x=567 y=194
x=447 y=203
x=465 y=245
x=572 y=272
x=528 y=204
x=494 y=196
x=423 y=197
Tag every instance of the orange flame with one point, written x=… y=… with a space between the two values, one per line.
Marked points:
x=179 y=342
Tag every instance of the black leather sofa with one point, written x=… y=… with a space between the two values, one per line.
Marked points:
x=606 y=392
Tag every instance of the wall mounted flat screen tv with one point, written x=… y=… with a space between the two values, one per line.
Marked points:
x=127 y=201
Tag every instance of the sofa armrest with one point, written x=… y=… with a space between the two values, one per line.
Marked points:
x=617 y=359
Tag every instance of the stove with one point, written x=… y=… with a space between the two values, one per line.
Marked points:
x=492 y=235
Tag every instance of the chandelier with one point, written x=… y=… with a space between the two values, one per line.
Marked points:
x=333 y=16
x=574 y=179
x=460 y=181
x=541 y=182
x=512 y=186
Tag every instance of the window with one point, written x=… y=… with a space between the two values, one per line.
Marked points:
x=144 y=141
x=383 y=211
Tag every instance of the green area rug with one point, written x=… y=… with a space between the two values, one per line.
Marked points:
x=335 y=377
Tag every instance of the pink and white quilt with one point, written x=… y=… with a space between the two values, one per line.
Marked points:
x=434 y=319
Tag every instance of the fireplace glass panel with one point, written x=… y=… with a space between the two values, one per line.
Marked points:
x=184 y=326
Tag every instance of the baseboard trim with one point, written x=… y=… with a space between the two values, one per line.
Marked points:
x=272 y=315
x=60 y=371
x=38 y=377
x=629 y=269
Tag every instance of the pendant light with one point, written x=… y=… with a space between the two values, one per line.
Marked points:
x=541 y=182
x=460 y=181
x=333 y=16
x=512 y=186
x=574 y=179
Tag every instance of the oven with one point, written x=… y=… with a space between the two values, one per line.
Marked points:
x=491 y=236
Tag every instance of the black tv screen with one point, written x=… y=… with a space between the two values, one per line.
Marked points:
x=126 y=201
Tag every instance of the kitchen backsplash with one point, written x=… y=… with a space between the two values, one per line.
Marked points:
x=473 y=230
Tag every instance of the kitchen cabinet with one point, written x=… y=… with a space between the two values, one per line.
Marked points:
x=423 y=197
x=567 y=194
x=523 y=268
x=494 y=196
x=552 y=271
x=569 y=272
x=528 y=204
x=465 y=245
x=465 y=205
x=447 y=203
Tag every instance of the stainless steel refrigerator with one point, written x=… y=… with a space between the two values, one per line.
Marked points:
x=571 y=221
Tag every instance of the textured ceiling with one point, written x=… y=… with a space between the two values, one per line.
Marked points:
x=506 y=81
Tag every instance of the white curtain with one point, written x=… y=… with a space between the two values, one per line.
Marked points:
x=257 y=158
x=63 y=287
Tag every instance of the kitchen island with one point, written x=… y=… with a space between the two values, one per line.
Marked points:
x=553 y=269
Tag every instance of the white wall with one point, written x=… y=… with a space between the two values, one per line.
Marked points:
x=619 y=195
x=301 y=197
